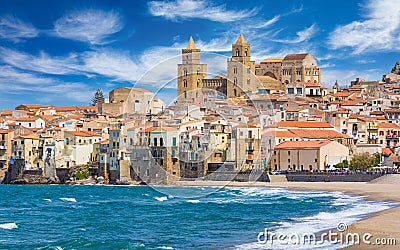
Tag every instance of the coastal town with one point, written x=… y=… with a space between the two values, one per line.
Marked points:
x=257 y=118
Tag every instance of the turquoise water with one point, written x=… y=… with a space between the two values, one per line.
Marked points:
x=115 y=217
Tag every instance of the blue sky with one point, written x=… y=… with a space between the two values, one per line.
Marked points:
x=60 y=52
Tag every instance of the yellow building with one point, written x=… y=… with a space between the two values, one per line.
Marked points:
x=6 y=137
x=190 y=73
x=29 y=148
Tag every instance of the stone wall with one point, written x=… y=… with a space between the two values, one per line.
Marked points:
x=332 y=177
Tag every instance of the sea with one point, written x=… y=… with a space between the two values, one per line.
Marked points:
x=143 y=217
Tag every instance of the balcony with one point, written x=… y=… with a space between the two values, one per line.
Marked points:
x=391 y=136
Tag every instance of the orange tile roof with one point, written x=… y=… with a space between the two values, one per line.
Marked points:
x=342 y=94
x=27 y=119
x=6 y=112
x=302 y=144
x=387 y=151
x=3 y=131
x=388 y=125
x=296 y=124
x=65 y=109
x=83 y=133
x=103 y=142
x=281 y=134
x=319 y=134
x=147 y=130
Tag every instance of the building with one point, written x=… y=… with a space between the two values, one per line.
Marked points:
x=126 y=100
x=78 y=147
x=241 y=70
x=30 y=148
x=291 y=68
x=6 y=137
x=31 y=122
x=308 y=155
x=191 y=72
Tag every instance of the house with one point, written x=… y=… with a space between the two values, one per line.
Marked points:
x=30 y=122
x=78 y=147
x=308 y=155
x=29 y=147
x=6 y=137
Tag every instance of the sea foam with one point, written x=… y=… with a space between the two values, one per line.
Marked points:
x=164 y=198
x=356 y=209
x=193 y=201
x=8 y=226
x=68 y=199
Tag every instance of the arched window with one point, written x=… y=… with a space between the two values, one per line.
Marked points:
x=198 y=71
x=184 y=71
x=234 y=70
x=198 y=82
x=234 y=92
x=184 y=94
x=235 y=80
x=245 y=53
x=185 y=83
x=237 y=52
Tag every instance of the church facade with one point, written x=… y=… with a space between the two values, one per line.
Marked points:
x=243 y=75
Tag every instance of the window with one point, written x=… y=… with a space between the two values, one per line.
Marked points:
x=185 y=83
x=237 y=52
x=248 y=81
x=234 y=70
x=316 y=160
x=288 y=152
x=30 y=124
x=288 y=160
x=235 y=80
x=245 y=53
x=299 y=91
x=161 y=142
x=290 y=90
x=198 y=71
x=185 y=72
x=155 y=142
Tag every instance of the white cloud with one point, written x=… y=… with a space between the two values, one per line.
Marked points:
x=14 y=29
x=93 y=26
x=13 y=81
x=301 y=36
x=114 y=64
x=187 y=9
x=42 y=63
x=268 y=23
x=379 y=31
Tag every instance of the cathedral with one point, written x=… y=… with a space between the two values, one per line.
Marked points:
x=243 y=76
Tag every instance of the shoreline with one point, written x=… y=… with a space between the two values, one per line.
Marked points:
x=383 y=225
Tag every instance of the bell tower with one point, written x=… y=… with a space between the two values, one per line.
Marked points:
x=190 y=73
x=241 y=70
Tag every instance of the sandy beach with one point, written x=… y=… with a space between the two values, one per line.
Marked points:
x=381 y=226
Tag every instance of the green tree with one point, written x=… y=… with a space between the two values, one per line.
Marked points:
x=362 y=161
x=98 y=95
x=343 y=164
